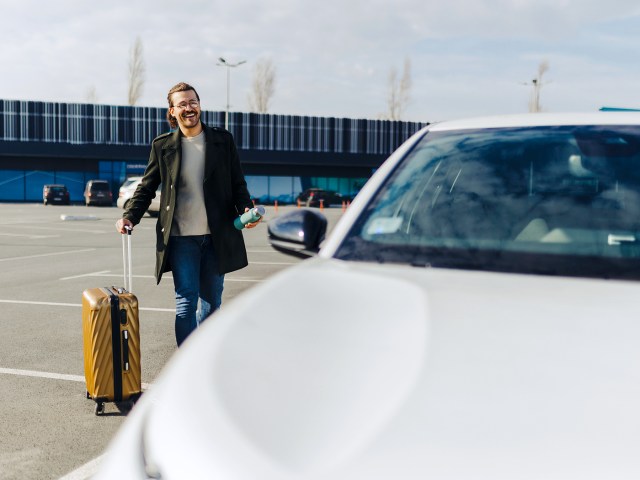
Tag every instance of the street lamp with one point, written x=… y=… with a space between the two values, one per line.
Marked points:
x=223 y=63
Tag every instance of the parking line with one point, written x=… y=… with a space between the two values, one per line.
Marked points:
x=27 y=225
x=50 y=375
x=34 y=373
x=92 y=274
x=79 y=305
x=263 y=250
x=51 y=304
x=69 y=252
x=28 y=235
x=103 y=273
x=273 y=263
x=106 y=273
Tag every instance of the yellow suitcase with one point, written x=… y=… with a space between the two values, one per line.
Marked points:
x=111 y=341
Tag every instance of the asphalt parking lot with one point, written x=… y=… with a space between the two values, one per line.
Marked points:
x=48 y=427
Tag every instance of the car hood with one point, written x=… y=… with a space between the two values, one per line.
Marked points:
x=342 y=370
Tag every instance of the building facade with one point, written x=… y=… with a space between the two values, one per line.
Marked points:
x=45 y=142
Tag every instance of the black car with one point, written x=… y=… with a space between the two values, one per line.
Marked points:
x=316 y=197
x=56 y=194
x=98 y=192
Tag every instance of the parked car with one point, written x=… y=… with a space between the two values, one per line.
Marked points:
x=98 y=192
x=474 y=314
x=126 y=192
x=312 y=197
x=56 y=194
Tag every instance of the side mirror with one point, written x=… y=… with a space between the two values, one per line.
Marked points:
x=298 y=233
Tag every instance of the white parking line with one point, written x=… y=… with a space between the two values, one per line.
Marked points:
x=262 y=250
x=102 y=273
x=272 y=263
x=30 y=236
x=92 y=274
x=67 y=229
x=34 y=373
x=51 y=304
x=57 y=304
x=69 y=252
x=106 y=273
x=50 y=375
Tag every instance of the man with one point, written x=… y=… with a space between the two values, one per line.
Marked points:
x=203 y=191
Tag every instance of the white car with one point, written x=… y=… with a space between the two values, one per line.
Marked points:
x=474 y=315
x=126 y=192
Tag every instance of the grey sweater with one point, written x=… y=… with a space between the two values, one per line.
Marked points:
x=190 y=215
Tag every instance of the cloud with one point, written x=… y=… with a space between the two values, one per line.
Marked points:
x=332 y=57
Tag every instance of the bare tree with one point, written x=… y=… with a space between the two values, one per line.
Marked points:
x=136 y=72
x=399 y=91
x=534 y=101
x=92 y=94
x=263 y=86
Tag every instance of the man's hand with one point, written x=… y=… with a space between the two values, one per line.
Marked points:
x=123 y=224
x=251 y=225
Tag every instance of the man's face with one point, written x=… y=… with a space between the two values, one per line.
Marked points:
x=186 y=109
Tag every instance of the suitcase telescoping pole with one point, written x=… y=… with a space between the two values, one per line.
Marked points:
x=126 y=260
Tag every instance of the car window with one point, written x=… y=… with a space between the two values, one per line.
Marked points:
x=100 y=186
x=557 y=200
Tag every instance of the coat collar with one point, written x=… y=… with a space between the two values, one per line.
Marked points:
x=214 y=148
x=211 y=135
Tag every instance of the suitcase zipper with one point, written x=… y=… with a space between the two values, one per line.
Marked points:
x=117 y=348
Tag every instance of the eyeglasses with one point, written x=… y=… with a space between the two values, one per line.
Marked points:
x=192 y=104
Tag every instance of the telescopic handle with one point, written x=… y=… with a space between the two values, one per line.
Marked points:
x=126 y=260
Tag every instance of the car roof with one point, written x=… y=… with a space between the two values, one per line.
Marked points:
x=539 y=120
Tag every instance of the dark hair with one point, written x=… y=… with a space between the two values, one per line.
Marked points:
x=180 y=87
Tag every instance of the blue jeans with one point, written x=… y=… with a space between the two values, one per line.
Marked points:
x=195 y=277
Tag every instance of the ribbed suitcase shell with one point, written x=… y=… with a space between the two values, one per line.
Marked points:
x=101 y=373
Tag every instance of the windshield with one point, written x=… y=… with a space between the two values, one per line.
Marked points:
x=100 y=186
x=554 y=200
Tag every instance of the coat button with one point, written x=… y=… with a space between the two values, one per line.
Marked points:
x=162 y=230
x=168 y=208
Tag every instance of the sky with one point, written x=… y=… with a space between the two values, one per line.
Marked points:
x=332 y=58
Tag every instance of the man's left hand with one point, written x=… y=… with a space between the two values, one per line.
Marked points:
x=253 y=224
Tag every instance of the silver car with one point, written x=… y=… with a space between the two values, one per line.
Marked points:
x=126 y=191
x=474 y=315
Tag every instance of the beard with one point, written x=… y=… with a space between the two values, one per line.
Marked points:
x=189 y=119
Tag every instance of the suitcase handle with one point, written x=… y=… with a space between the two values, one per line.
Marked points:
x=126 y=259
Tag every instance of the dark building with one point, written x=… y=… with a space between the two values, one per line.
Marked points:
x=43 y=143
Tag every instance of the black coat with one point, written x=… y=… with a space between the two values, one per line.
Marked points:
x=225 y=196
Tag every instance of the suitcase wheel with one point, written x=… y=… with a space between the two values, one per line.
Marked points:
x=99 y=408
x=124 y=406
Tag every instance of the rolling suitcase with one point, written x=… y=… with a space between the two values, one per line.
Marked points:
x=111 y=340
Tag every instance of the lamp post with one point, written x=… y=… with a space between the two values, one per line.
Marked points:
x=224 y=63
